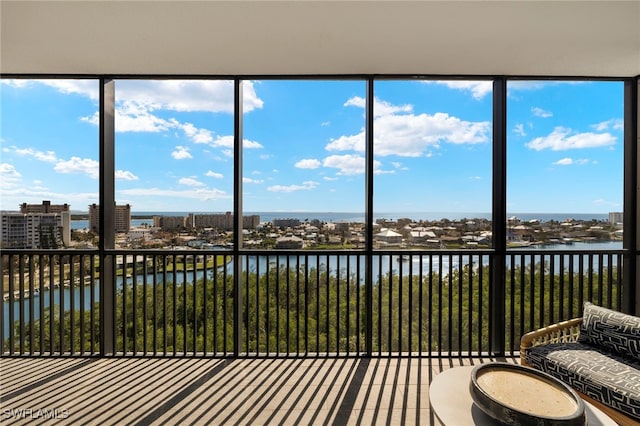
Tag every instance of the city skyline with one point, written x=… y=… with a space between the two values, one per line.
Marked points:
x=303 y=148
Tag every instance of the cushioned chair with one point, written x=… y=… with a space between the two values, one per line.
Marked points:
x=598 y=355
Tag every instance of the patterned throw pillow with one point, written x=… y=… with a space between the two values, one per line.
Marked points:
x=611 y=330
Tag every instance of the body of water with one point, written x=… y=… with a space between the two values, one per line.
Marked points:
x=360 y=217
x=383 y=264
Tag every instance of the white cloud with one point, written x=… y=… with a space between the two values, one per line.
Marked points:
x=181 y=153
x=125 y=175
x=214 y=174
x=78 y=165
x=539 y=112
x=330 y=179
x=380 y=107
x=48 y=156
x=228 y=141
x=310 y=163
x=88 y=88
x=306 y=186
x=614 y=123
x=251 y=180
x=346 y=164
x=564 y=162
x=478 y=89
x=9 y=176
x=197 y=194
x=190 y=181
x=85 y=166
x=197 y=135
x=349 y=164
x=187 y=95
x=410 y=135
x=570 y=161
x=16 y=82
x=518 y=129
x=347 y=143
x=562 y=139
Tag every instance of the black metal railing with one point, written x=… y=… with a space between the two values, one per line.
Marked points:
x=293 y=303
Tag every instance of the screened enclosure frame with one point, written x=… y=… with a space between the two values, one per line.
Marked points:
x=631 y=211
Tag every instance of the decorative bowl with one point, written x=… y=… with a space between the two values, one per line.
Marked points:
x=516 y=395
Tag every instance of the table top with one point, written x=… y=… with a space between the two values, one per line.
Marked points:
x=452 y=404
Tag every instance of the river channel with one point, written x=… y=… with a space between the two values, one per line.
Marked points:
x=384 y=264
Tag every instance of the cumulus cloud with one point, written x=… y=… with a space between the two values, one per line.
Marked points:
x=564 y=162
x=410 y=135
x=197 y=194
x=251 y=180
x=562 y=139
x=172 y=95
x=125 y=175
x=74 y=165
x=214 y=174
x=88 y=88
x=46 y=156
x=190 y=181
x=306 y=186
x=181 y=153
x=228 y=141
x=478 y=89
x=310 y=163
x=77 y=165
x=188 y=95
x=570 y=161
x=539 y=112
x=197 y=135
x=380 y=107
x=9 y=176
x=348 y=164
x=614 y=123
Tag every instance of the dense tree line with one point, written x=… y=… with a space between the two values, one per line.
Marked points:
x=299 y=310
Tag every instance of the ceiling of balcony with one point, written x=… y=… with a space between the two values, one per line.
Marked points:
x=243 y=37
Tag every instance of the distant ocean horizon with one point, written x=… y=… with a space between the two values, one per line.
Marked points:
x=360 y=217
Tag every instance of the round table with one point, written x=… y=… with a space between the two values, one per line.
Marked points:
x=452 y=404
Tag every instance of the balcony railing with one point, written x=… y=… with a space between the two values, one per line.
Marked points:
x=293 y=304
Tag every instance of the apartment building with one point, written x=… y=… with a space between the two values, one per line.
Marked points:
x=45 y=207
x=221 y=221
x=35 y=230
x=122 y=217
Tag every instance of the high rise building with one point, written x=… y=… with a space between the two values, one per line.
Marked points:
x=35 y=230
x=616 y=217
x=45 y=207
x=122 y=218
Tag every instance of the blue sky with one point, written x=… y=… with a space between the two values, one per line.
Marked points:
x=303 y=146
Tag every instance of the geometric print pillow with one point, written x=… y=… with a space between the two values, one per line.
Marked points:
x=611 y=330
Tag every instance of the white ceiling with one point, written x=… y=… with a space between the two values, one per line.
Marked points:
x=242 y=37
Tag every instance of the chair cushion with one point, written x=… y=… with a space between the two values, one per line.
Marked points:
x=612 y=380
x=612 y=330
